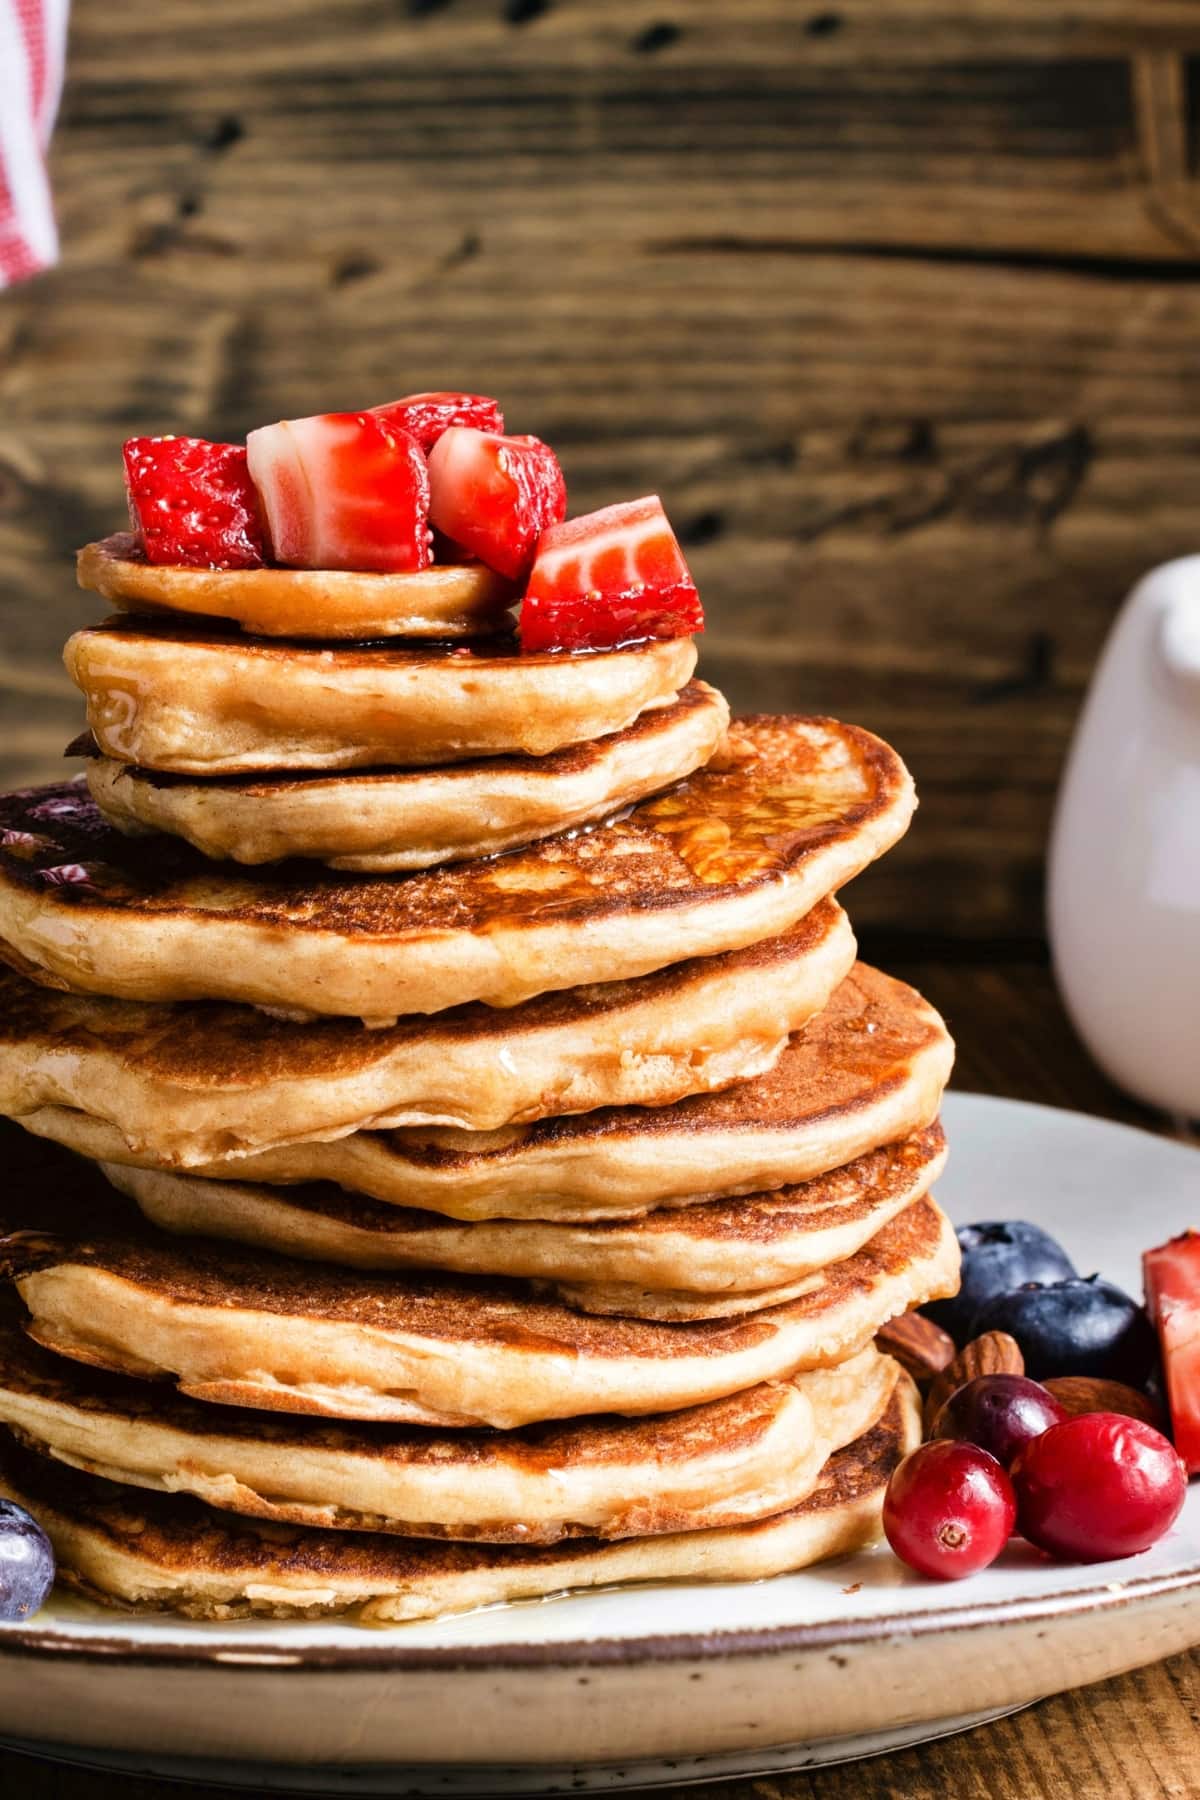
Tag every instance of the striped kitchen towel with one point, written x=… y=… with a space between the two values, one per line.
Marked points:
x=33 y=37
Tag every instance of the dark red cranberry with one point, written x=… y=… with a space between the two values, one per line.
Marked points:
x=949 y=1510
x=1096 y=1486
x=1000 y=1413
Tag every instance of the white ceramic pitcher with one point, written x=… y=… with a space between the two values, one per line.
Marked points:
x=1124 y=896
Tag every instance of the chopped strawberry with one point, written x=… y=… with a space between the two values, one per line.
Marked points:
x=342 y=491
x=609 y=578
x=192 y=503
x=1172 y=1278
x=426 y=416
x=495 y=495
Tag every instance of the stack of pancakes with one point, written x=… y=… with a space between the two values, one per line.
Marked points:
x=496 y=1167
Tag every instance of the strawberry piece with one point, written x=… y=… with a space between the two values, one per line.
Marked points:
x=426 y=416
x=342 y=491
x=192 y=503
x=495 y=495
x=607 y=579
x=1172 y=1277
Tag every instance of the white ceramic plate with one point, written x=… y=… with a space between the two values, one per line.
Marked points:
x=633 y=1686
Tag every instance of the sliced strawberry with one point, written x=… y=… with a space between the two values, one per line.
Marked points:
x=609 y=578
x=342 y=491
x=495 y=495
x=192 y=503
x=426 y=416
x=1172 y=1277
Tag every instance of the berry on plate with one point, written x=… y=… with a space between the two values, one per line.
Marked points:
x=26 y=1564
x=192 y=503
x=1172 y=1277
x=426 y=416
x=1075 y=1327
x=949 y=1510
x=610 y=578
x=997 y=1256
x=1000 y=1413
x=495 y=495
x=1096 y=1486
x=342 y=491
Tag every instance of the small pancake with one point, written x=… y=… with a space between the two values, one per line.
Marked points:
x=171 y=1552
x=868 y=1070
x=724 y=1254
x=166 y=695
x=740 y=1458
x=400 y=819
x=455 y=600
x=192 y=1083
x=242 y=1328
x=791 y=810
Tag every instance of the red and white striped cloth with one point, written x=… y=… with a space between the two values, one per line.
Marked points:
x=33 y=36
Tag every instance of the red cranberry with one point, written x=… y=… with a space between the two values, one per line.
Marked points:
x=1000 y=1413
x=949 y=1510
x=1096 y=1486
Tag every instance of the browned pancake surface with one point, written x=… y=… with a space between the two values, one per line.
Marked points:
x=575 y=759
x=223 y=1046
x=729 y=829
x=54 y=1203
x=857 y=1050
x=179 y=1533
x=728 y=1425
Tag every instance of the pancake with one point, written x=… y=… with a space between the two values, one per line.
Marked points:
x=242 y=1328
x=725 y=1253
x=455 y=600
x=741 y=1458
x=188 y=1083
x=416 y=819
x=868 y=1070
x=172 y=1552
x=789 y=812
x=171 y=696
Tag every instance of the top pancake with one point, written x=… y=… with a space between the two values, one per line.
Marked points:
x=455 y=600
x=791 y=810
x=173 y=697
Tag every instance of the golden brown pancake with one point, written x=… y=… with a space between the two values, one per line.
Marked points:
x=740 y=1458
x=868 y=1070
x=737 y=853
x=455 y=600
x=168 y=695
x=243 y=1328
x=394 y=820
x=171 y=1552
x=190 y=1083
x=723 y=1254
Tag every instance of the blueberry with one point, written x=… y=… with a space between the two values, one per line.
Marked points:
x=1074 y=1327
x=997 y=1256
x=26 y=1564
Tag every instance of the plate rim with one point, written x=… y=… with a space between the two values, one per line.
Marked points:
x=601 y=1651
x=52 y=1643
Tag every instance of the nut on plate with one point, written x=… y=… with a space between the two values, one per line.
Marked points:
x=994 y=1353
x=1089 y=1394
x=921 y=1348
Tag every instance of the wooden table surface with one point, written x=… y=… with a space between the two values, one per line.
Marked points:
x=1136 y=1735
x=897 y=301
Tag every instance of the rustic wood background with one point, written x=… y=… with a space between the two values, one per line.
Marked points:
x=896 y=301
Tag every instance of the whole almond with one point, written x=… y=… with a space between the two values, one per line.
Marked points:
x=995 y=1353
x=1088 y=1394
x=921 y=1348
